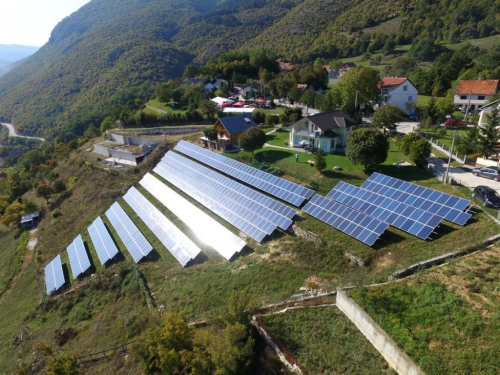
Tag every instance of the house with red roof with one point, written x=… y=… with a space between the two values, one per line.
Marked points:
x=284 y=66
x=345 y=67
x=476 y=92
x=398 y=91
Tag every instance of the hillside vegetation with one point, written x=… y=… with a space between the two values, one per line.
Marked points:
x=109 y=52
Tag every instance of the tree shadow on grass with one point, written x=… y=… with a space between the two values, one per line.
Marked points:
x=272 y=156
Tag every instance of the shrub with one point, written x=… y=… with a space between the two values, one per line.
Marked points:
x=55 y=214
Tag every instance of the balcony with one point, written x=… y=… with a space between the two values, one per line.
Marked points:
x=305 y=133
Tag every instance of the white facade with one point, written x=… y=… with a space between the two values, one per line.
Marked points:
x=306 y=130
x=475 y=100
x=400 y=95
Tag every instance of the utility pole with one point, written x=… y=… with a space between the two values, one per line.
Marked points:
x=356 y=106
x=449 y=159
x=468 y=107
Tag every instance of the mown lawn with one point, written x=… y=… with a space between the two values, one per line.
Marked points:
x=325 y=341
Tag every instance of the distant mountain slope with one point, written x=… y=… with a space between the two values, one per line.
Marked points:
x=10 y=53
x=110 y=51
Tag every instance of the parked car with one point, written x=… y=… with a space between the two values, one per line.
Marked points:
x=454 y=123
x=487 y=195
x=487 y=172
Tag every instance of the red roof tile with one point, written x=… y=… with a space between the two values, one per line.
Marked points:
x=485 y=86
x=389 y=82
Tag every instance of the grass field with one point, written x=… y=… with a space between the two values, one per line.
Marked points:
x=325 y=341
x=447 y=319
x=109 y=309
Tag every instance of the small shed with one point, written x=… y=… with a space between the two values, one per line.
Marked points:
x=230 y=128
x=30 y=221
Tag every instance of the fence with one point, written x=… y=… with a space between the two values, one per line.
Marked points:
x=104 y=354
x=442 y=148
x=377 y=336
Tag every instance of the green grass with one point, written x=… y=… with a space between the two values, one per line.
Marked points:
x=107 y=313
x=390 y=27
x=278 y=138
x=325 y=341
x=423 y=101
x=447 y=319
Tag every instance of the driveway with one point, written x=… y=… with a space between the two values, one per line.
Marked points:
x=463 y=177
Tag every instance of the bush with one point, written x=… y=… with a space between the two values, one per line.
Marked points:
x=55 y=214
x=313 y=185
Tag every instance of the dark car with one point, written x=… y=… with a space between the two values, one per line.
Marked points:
x=487 y=172
x=487 y=195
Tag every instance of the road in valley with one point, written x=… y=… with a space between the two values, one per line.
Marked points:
x=13 y=133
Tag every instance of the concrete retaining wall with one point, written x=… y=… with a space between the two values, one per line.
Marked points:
x=377 y=336
x=129 y=140
x=101 y=150
x=123 y=155
x=162 y=131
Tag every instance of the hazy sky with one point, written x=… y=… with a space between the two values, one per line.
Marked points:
x=29 y=22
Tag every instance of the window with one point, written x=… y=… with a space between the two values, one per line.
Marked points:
x=405 y=88
x=480 y=97
x=410 y=98
x=463 y=97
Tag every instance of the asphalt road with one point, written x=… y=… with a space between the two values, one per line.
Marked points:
x=13 y=133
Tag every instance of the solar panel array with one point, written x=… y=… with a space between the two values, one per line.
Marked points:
x=78 y=257
x=229 y=211
x=276 y=186
x=356 y=224
x=132 y=238
x=269 y=209
x=54 y=275
x=181 y=247
x=415 y=221
x=445 y=205
x=208 y=230
x=103 y=243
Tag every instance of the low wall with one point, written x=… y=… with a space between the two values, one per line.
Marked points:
x=377 y=336
x=101 y=150
x=487 y=162
x=161 y=131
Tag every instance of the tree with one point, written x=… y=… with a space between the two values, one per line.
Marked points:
x=59 y=187
x=387 y=116
x=44 y=191
x=167 y=348
x=63 y=365
x=410 y=106
x=210 y=133
x=207 y=109
x=419 y=150
x=233 y=352
x=432 y=111
x=191 y=71
x=489 y=133
x=468 y=144
x=252 y=139
x=407 y=141
x=389 y=46
x=367 y=147
x=294 y=93
x=107 y=124
x=363 y=79
x=319 y=160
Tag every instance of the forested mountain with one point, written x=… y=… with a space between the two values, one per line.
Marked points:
x=111 y=51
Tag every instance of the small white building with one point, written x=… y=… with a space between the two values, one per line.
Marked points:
x=485 y=111
x=327 y=130
x=478 y=92
x=398 y=91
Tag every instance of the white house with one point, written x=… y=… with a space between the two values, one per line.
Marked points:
x=327 y=130
x=398 y=91
x=477 y=91
x=485 y=111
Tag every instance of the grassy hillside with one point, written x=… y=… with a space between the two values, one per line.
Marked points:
x=109 y=309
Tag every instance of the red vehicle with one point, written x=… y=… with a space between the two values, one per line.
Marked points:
x=455 y=123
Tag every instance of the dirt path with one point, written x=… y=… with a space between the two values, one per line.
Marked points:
x=13 y=132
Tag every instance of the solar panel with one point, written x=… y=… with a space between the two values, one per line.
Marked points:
x=269 y=209
x=181 y=247
x=354 y=223
x=78 y=257
x=132 y=238
x=229 y=211
x=441 y=204
x=203 y=226
x=276 y=186
x=103 y=243
x=415 y=221
x=54 y=275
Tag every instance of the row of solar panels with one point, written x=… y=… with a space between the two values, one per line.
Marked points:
x=252 y=212
x=182 y=248
x=365 y=212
